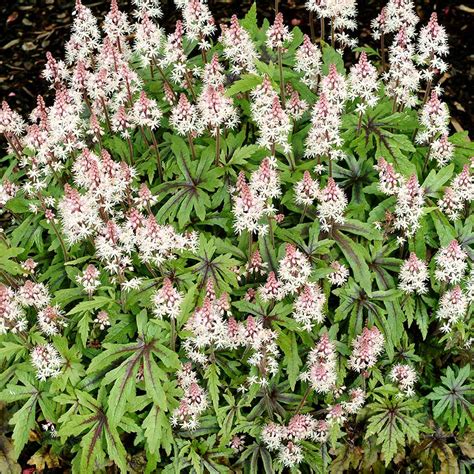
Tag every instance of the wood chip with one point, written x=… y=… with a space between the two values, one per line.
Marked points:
x=456 y=125
x=464 y=8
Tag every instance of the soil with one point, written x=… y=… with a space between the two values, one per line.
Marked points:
x=29 y=28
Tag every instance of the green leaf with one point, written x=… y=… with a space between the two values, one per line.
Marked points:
x=356 y=256
x=23 y=421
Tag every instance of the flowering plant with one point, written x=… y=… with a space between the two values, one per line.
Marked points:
x=224 y=251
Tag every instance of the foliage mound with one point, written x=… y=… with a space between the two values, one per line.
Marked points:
x=224 y=250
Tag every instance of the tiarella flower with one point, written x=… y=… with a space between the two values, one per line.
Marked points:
x=193 y=403
x=275 y=126
x=405 y=377
x=102 y=320
x=458 y=194
x=85 y=35
x=256 y=265
x=452 y=308
x=116 y=24
x=290 y=454
x=46 y=360
x=122 y=122
x=29 y=266
x=12 y=316
x=198 y=21
x=278 y=34
x=451 y=203
x=8 y=191
x=367 y=347
x=442 y=150
x=147 y=7
x=146 y=112
x=294 y=270
x=356 y=401
x=332 y=204
x=265 y=180
x=239 y=49
x=308 y=306
x=434 y=119
x=272 y=290
x=389 y=180
x=334 y=87
x=322 y=372
x=262 y=96
x=339 y=274
x=395 y=15
x=336 y=414
x=306 y=190
x=342 y=15
x=10 y=121
x=251 y=202
x=308 y=62
x=148 y=39
x=414 y=275
x=216 y=109
x=89 y=279
x=237 y=443
x=173 y=55
x=51 y=320
x=432 y=46
x=363 y=81
x=55 y=72
x=403 y=78
x=451 y=263
x=324 y=138
x=296 y=107
x=114 y=244
x=272 y=435
x=33 y=294
x=185 y=118
x=157 y=244
x=167 y=301
x=213 y=72
x=409 y=207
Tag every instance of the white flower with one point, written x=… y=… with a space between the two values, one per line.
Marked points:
x=332 y=204
x=452 y=307
x=309 y=305
x=46 y=360
x=405 y=377
x=167 y=301
x=414 y=275
x=294 y=270
x=339 y=275
x=451 y=263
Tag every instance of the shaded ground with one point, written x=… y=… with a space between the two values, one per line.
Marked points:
x=29 y=28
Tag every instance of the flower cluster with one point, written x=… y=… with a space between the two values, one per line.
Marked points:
x=414 y=275
x=367 y=347
x=286 y=439
x=405 y=377
x=194 y=400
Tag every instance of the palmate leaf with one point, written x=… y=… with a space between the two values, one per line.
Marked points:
x=189 y=193
x=139 y=354
x=33 y=393
x=393 y=422
x=452 y=398
x=216 y=267
x=356 y=256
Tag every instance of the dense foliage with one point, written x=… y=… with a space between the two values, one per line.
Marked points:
x=227 y=252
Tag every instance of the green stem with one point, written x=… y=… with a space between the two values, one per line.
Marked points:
x=173 y=334
x=218 y=146
x=282 y=79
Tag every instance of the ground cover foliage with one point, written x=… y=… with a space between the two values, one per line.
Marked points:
x=225 y=251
